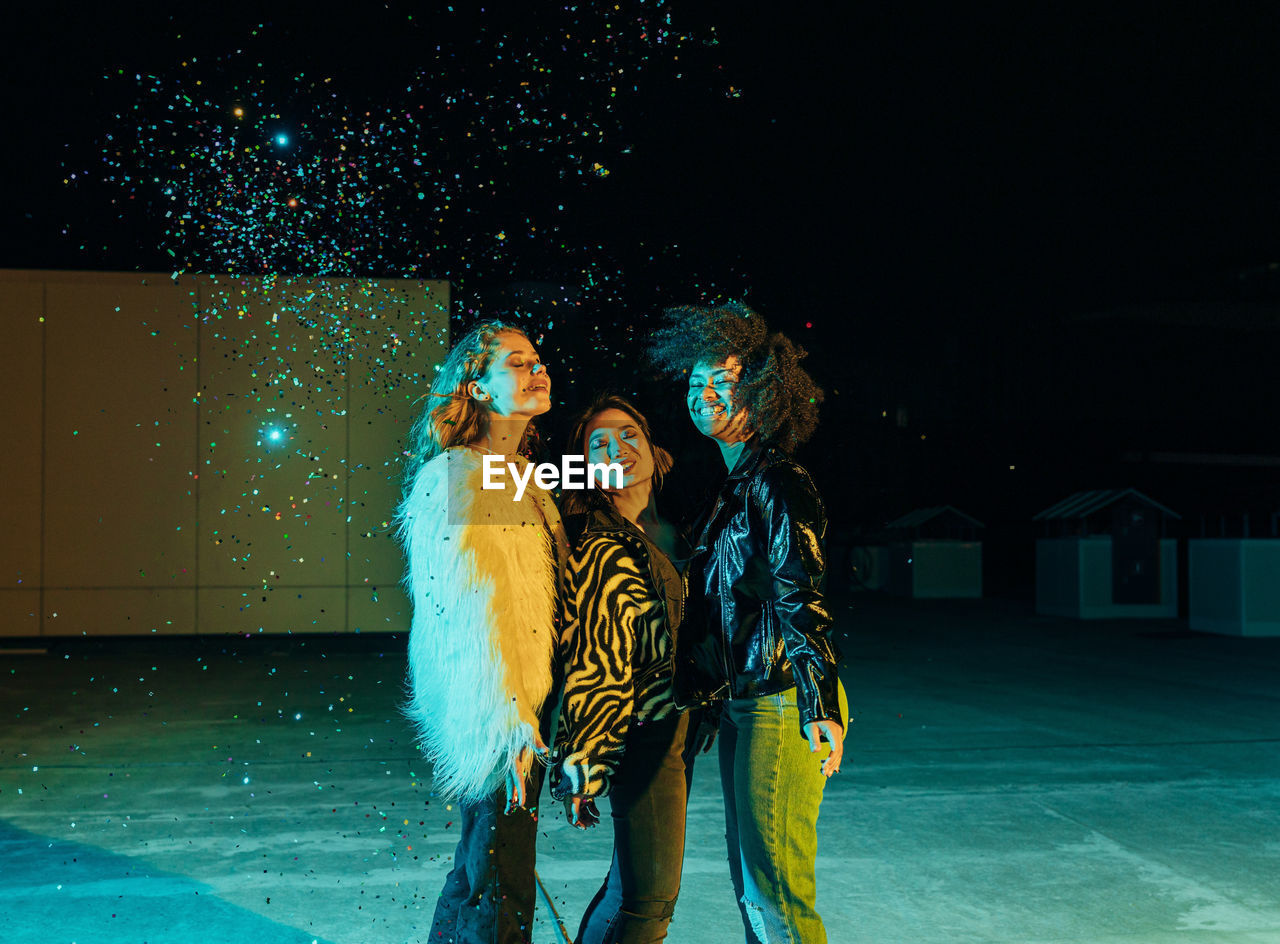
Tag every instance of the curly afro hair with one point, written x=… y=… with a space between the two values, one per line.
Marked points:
x=780 y=397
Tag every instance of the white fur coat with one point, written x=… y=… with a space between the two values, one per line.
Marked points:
x=483 y=575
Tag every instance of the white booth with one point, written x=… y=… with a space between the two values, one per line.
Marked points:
x=1233 y=586
x=1107 y=555
x=935 y=553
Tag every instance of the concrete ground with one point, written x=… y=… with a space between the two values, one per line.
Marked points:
x=1011 y=779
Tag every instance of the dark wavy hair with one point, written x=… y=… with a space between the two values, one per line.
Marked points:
x=778 y=394
x=576 y=501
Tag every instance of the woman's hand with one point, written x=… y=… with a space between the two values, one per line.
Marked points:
x=581 y=811
x=705 y=736
x=518 y=774
x=816 y=732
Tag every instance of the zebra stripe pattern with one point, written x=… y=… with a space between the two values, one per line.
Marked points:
x=618 y=655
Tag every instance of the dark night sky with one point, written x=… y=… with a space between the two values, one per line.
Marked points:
x=941 y=192
x=911 y=160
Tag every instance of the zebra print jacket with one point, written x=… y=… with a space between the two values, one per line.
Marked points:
x=623 y=605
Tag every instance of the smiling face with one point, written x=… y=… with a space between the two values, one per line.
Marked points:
x=612 y=435
x=517 y=382
x=710 y=399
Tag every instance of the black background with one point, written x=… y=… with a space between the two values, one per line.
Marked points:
x=1044 y=239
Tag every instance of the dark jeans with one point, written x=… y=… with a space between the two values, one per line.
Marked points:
x=489 y=897
x=648 y=799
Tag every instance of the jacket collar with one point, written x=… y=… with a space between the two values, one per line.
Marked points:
x=749 y=461
x=602 y=516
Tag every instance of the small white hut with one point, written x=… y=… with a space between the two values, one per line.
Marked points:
x=1106 y=555
x=935 y=553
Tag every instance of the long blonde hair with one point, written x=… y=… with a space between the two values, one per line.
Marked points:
x=451 y=416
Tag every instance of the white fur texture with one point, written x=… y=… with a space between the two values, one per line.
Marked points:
x=483 y=579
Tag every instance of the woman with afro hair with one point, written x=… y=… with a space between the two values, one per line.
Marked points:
x=756 y=639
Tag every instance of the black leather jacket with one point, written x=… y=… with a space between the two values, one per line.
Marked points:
x=756 y=622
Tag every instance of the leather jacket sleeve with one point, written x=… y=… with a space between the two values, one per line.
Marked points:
x=797 y=526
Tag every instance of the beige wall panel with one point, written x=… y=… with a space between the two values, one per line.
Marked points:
x=105 y=612
x=391 y=370
x=384 y=609
x=19 y=613
x=271 y=512
x=21 y=313
x=280 y=610
x=119 y=432
x=166 y=506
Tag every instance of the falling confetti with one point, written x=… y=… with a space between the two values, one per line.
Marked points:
x=243 y=169
x=297 y=193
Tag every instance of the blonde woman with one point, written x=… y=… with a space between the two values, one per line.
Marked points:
x=483 y=576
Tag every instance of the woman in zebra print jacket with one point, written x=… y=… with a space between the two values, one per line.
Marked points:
x=620 y=731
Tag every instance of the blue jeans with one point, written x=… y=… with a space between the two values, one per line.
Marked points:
x=772 y=791
x=489 y=896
